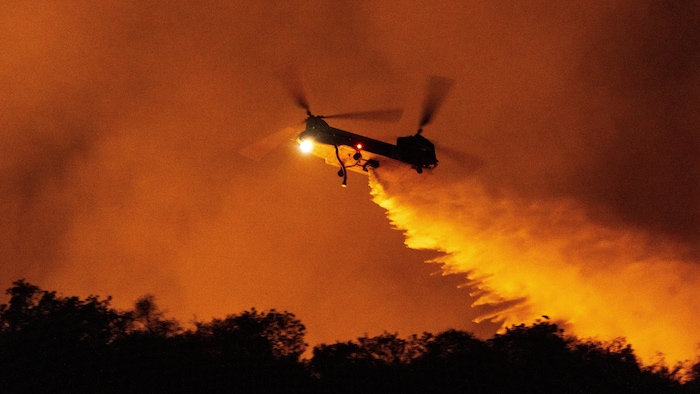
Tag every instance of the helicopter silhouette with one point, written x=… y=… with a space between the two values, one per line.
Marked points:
x=354 y=152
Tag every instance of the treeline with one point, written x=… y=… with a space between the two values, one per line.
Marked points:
x=51 y=343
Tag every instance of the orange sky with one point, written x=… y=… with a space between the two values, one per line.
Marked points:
x=122 y=122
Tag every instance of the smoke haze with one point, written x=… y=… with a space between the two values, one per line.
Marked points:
x=568 y=172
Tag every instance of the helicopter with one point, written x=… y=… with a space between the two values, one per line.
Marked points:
x=358 y=153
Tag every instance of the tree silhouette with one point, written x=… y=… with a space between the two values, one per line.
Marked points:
x=370 y=363
x=256 y=350
x=534 y=358
x=51 y=343
x=692 y=385
x=455 y=361
x=147 y=318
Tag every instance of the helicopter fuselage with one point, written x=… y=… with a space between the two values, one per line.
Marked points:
x=356 y=152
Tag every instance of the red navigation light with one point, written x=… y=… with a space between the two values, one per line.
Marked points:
x=358 y=146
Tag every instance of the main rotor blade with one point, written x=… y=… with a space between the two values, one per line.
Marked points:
x=292 y=82
x=438 y=87
x=464 y=160
x=260 y=148
x=386 y=115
